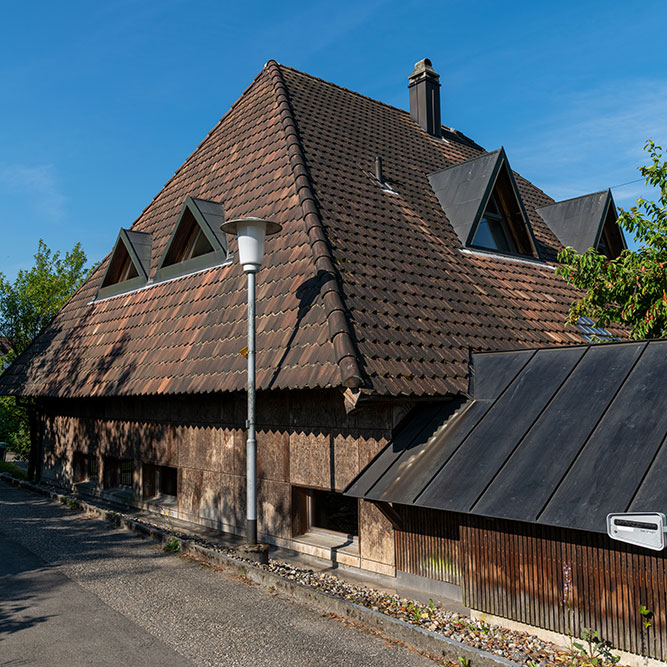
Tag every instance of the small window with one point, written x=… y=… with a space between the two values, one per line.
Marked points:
x=126 y=470
x=85 y=467
x=197 y=241
x=118 y=472
x=159 y=480
x=324 y=510
x=129 y=265
x=493 y=231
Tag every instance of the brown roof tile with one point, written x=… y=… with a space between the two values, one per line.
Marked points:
x=361 y=287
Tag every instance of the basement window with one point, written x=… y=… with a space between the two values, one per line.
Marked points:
x=118 y=472
x=314 y=509
x=159 y=481
x=85 y=467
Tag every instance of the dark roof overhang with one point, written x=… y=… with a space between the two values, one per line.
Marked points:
x=579 y=222
x=560 y=437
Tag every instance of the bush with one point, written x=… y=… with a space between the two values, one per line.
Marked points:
x=13 y=470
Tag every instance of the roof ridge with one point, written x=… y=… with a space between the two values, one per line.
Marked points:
x=562 y=201
x=209 y=134
x=460 y=136
x=340 y=331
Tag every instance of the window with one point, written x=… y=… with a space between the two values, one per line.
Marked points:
x=159 y=480
x=126 y=470
x=129 y=265
x=324 y=510
x=483 y=205
x=118 y=472
x=589 y=221
x=493 y=231
x=197 y=241
x=85 y=467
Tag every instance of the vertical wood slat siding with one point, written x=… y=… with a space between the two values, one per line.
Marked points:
x=516 y=570
x=428 y=544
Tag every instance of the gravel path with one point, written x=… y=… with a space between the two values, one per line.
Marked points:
x=72 y=589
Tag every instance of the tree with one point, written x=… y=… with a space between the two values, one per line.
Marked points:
x=27 y=305
x=630 y=290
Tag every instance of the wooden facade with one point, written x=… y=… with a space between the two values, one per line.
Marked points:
x=305 y=440
x=520 y=571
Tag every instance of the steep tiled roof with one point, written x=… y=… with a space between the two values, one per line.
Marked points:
x=362 y=286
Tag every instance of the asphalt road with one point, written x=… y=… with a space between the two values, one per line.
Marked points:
x=77 y=592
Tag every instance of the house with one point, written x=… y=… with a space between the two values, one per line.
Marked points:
x=404 y=247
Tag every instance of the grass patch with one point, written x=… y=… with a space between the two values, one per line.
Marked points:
x=13 y=470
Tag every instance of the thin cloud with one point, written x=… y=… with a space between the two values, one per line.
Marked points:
x=36 y=186
x=595 y=140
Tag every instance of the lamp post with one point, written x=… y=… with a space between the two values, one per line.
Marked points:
x=250 y=233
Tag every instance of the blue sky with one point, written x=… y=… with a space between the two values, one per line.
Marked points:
x=101 y=102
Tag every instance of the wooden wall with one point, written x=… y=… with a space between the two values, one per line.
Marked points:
x=518 y=571
x=427 y=544
x=303 y=438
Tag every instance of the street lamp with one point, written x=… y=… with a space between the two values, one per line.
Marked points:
x=250 y=233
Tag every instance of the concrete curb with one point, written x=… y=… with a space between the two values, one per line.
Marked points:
x=429 y=642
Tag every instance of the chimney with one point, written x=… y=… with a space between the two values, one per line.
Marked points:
x=424 y=89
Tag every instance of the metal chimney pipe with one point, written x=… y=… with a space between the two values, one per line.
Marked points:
x=378 y=170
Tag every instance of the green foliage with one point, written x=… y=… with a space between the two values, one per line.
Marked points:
x=173 y=546
x=646 y=615
x=12 y=470
x=14 y=426
x=632 y=289
x=594 y=651
x=27 y=305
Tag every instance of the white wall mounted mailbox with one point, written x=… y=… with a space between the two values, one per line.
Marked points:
x=645 y=529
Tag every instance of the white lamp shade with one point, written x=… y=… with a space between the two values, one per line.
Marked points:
x=250 y=233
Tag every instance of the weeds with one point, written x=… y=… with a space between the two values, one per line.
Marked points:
x=173 y=546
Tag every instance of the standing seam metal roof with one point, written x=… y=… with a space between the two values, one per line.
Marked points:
x=560 y=437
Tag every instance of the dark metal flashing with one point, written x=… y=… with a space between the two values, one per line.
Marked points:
x=555 y=436
x=138 y=246
x=464 y=189
x=209 y=216
x=578 y=222
x=340 y=330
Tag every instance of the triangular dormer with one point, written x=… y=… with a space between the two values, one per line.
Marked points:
x=197 y=241
x=586 y=222
x=482 y=202
x=129 y=266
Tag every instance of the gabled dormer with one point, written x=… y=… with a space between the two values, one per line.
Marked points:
x=586 y=222
x=197 y=242
x=482 y=202
x=129 y=266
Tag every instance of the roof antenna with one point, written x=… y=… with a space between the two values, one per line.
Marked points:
x=378 y=170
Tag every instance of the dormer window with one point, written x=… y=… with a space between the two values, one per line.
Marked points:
x=129 y=266
x=493 y=231
x=482 y=202
x=197 y=242
x=586 y=222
